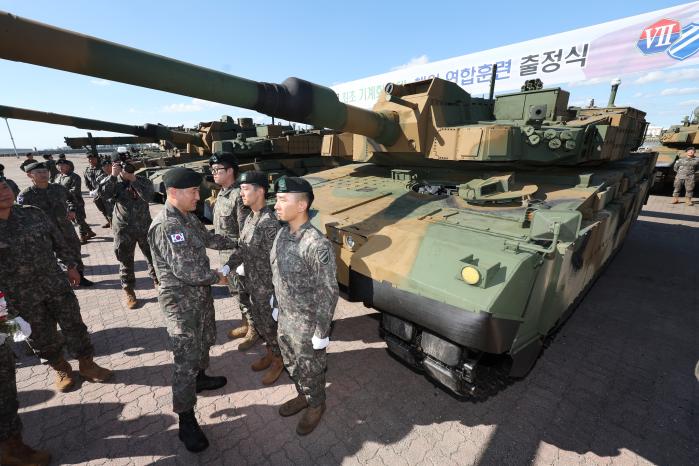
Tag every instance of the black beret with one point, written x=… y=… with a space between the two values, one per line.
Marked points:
x=89 y=155
x=254 y=177
x=181 y=178
x=46 y=156
x=106 y=162
x=34 y=166
x=292 y=184
x=224 y=158
x=690 y=148
x=63 y=161
x=2 y=167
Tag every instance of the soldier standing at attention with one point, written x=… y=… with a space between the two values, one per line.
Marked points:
x=57 y=203
x=51 y=165
x=38 y=290
x=229 y=216
x=131 y=218
x=685 y=168
x=179 y=241
x=71 y=181
x=305 y=287
x=93 y=174
x=254 y=246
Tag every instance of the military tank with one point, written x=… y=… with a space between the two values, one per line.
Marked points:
x=673 y=142
x=475 y=225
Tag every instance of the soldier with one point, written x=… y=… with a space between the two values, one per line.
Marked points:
x=71 y=181
x=179 y=241
x=305 y=287
x=106 y=165
x=57 y=203
x=38 y=290
x=13 y=449
x=29 y=159
x=92 y=174
x=254 y=246
x=229 y=216
x=13 y=185
x=51 y=165
x=131 y=218
x=685 y=168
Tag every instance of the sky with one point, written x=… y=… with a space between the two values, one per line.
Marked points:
x=323 y=42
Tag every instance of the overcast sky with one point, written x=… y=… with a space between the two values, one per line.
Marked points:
x=324 y=42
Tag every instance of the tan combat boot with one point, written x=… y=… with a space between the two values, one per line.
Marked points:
x=91 y=372
x=293 y=406
x=264 y=362
x=250 y=339
x=65 y=380
x=275 y=370
x=131 y=301
x=15 y=452
x=239 y=332
x=689 y=201
x=310 y=419
x=675 y=200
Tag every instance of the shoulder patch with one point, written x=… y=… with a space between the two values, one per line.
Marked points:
x=270 y=232
x=177 y=238
x=323 y=255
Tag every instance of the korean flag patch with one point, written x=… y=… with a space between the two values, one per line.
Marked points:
x=177 y=238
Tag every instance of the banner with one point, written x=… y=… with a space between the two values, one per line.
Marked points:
x=651 y=41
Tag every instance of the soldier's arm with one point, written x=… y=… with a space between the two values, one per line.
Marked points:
x=74 y=189
x=69 y=198
x=108 y=186
x=144 y=188
x=676 y=166
x=88 y=181
x=64 y=253
x=174 y=243
x=214 y=240
x=321 y=258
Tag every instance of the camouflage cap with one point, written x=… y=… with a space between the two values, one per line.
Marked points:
x=181 y=178
x=224 y=158
x=254 y=177
x=35 y=166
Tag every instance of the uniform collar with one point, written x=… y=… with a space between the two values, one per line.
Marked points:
x=301 y=231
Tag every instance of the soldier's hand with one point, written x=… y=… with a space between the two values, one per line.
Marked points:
x=71 y=216
x=222 y=279
x=73 y=276
x=116 y=169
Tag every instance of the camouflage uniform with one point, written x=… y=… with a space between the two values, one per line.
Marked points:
x=35 y=286
x=92 y=176
x=55 y=201
x=179 y=243
x=254 y=246
x=53 y=170
x=229 y=217
x=685 y=168
x=305 y=286
x=72 y=183
x=130 y=221
x=10 y=423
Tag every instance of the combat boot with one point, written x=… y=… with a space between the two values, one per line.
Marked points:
x=15 y=452
x=689 y=201
x=293 y=406
x=274 y=371
x=310 y=419
x=241 y=331
x=106 y=224
x=131 y=301
x=191 y=434
x=91 y=372
x=250 y=339
x=84 y=281
x=208 y=382
x=65 y=380
x=91 y=234
x=675 y=200
x=264 y=362
x=83 y=239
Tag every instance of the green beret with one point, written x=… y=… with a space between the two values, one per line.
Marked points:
x=35 y=166
x=292 y=184
x=254 y=177
x=224 y=158
x=181 y=178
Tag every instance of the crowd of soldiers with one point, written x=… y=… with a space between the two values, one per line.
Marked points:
x=280 y=266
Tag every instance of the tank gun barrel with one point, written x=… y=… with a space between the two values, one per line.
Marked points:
x=295 y=99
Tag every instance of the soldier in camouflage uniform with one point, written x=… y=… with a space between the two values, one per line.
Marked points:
x=13 y=185
x=58 y=204
x=252 y=255
x=92 y=175
x=27 y=161
x=71 y=181
x=51 y=165
x=37 y=289
x=685 y=168
x=131 y=218
x=229 y=216
x=305 y=288
x=178 y=241
x=106 y=165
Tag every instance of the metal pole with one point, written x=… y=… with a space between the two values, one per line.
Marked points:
x=11 y=138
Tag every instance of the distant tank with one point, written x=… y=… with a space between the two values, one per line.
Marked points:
x=674 y=141
x=476 y=225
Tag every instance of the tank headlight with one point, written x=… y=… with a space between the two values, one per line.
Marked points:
x=350 y=242
x=470 y=275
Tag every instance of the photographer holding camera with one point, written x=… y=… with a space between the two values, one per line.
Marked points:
x=131 y=218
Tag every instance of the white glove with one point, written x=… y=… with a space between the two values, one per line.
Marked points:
x=93 y=193
x=225 y=270
x=275 y=313
x=240 y=270
x=24 y=329
x=320 y=343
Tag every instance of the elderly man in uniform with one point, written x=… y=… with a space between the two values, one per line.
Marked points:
x=306 y=290
x=13 y=185
x=92 y=175
x=71 y=181
x=685 y=168
x=229 y=216
x=255 y=243
x=178 y=241
x=58 y=204
x=38 y=290
x=131 y=218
